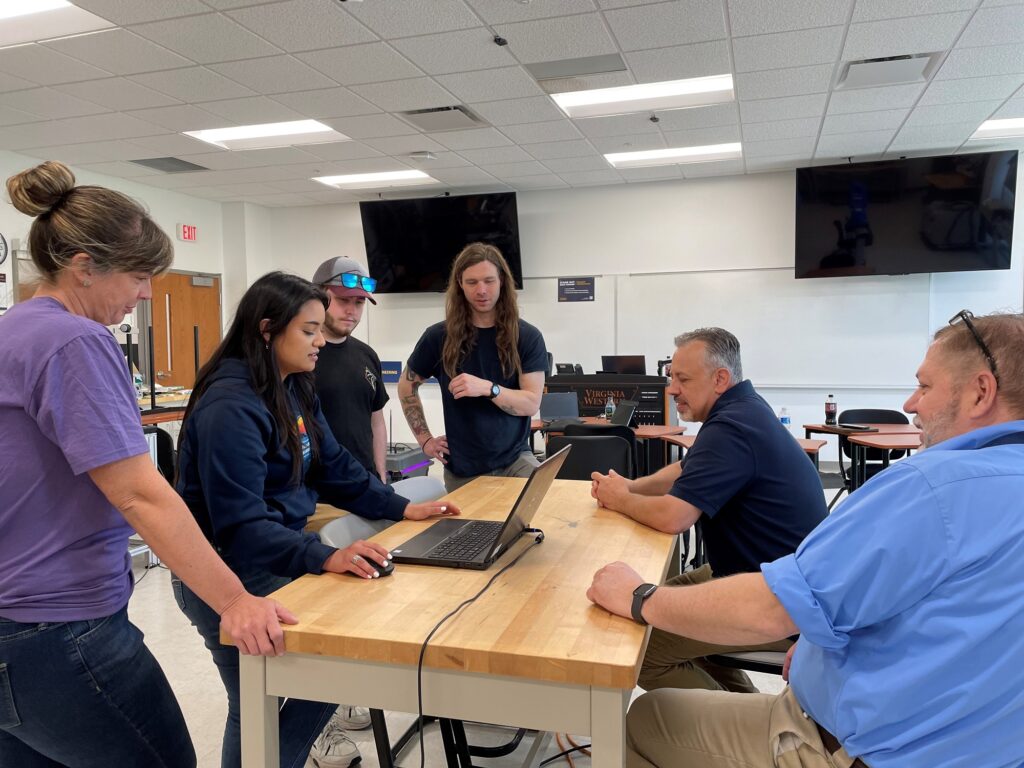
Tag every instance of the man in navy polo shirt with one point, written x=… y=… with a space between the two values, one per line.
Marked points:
x=745 y=479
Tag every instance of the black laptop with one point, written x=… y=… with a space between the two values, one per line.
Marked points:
x=558 y=409
x=475 y=544
x=624 y=413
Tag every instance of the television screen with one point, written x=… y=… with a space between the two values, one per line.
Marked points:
x=624 y=364
x=411 y=244
x=895 y=217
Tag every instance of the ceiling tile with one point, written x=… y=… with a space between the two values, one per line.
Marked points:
x=468 y=175
x=120 y=169
x=766 y=110
x=533 y=109
x=253 y=158
x=506 y=82
x=327 y=102
x=403 y=145
x=974 y=111
x=45 y=66
x=512 y=170
x=896 y=37
x=496 y=155
x=619 y=125
x=402 y=95
x=441 y=160
x=369 y=126
x=86 y=152
x=981 y=62
x=841 y=145
x=722 y=134
x=169 y=145
x=303 y=25
x=971 y=89
x=475 y=138
x=209 y=38
x=803 y=145
x=864 y=121
x=11 y=116
x=195 y=84
x=937 y=136
x=72 y=130
x=118 y=51
x=460 y=51
x=591 y=178
x=531 y=133
x=548 y=150
x=274 y=74
x=680 y=62
x=49 y=103
x=787 y=49
x=368 y=63
x=567 y=37
x=761 y=17
x=543 y=181
x=782 y=163
x=252 y=110
x=782 y=129
x=720 y=168
x=1012 y=108
x=500 y=11
x=870 y=99
x=124 y=12
x=341 y=150
x=994 y=26
x=12 y=83
x=181 y=118
x=636 y=143
x=576 y=164
x=700 y=117
x=872 y=10
x=390 y=20
x=655 y=173
x=666 y=24
x=117 y=93
x=776 y=83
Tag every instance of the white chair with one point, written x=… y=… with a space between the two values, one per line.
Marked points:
x=345 y=530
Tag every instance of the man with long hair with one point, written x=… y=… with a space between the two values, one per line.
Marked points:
x=490 y=365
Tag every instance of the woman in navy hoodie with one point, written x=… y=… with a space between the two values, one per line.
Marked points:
x=255 y=456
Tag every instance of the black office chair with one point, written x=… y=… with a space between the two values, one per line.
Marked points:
x=592 y=453
x=166 y=456
x=618 y=430
x=551 y=366
x=875 y=457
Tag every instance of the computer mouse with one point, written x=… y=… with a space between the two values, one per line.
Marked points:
x=383 y=570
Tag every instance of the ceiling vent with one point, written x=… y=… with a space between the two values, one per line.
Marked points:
x=891 y=70
x=442 y=119
x=169 y=165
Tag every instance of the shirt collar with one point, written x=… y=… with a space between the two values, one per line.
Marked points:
x=979 y=438
x=735 y=392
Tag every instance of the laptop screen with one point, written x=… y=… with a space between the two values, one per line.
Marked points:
x=624 y=412
x=559 y=405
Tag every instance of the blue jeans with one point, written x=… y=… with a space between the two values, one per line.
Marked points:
x=86 y=693
x=300 y=721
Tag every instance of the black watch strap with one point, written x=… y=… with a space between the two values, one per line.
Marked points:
x=640 y=594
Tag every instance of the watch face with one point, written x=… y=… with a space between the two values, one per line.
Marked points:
x=495 y=390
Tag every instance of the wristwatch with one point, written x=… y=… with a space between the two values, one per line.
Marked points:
x=640 y=594
x=495 y=390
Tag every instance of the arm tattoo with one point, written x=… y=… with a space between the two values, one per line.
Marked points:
x=509 y=410
x=412 y=406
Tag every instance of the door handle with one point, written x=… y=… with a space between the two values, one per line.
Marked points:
x=162 y=374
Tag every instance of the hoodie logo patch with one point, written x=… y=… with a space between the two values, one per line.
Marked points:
x=371 y=378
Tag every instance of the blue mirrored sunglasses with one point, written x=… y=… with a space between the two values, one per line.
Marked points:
x=355 y=280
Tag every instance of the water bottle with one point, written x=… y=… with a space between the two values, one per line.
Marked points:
x=784 y=418
x=609 y=408
x=831 y=409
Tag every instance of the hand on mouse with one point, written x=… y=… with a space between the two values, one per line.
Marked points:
x=441 y=508
x=360 y=558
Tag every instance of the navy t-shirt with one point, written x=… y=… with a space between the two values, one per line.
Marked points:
x=758 y=493
x=481 y=436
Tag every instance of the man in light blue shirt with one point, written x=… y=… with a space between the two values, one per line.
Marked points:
x=908 y=600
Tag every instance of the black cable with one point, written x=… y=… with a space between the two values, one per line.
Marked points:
x=146 y=569
x=562 y=754
x=459 y=607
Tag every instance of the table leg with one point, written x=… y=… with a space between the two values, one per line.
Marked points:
x=258 y=714
x=608 y=727
x=857 y=468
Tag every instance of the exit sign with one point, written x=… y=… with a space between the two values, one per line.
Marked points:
x=187 y=232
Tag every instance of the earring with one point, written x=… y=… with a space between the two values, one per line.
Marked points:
x=86 y=283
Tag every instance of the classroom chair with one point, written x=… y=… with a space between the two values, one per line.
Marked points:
x=592 y=453
x=875 y=456
x=617 y=430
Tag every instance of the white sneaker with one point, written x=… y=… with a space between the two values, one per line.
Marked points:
x=333 y=748
x=352 y=718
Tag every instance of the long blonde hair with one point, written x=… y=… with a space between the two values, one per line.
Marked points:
x=460 y=333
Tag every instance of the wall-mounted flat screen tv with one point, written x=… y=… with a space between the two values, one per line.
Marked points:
x=411 y=244
x=895 y=217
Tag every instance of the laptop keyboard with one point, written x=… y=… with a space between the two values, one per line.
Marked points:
x=472 y=539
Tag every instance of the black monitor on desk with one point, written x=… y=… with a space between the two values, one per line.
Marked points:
x=624 y=364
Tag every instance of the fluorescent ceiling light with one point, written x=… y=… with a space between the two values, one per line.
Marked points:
x=675 y=155
x=1010 y=128
x=648 y=97
x=269 y=135
x=11 y=8
x=382 y=180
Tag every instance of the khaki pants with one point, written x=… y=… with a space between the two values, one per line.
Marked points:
x=521 y=467
x=718 y=729
x=673 y=661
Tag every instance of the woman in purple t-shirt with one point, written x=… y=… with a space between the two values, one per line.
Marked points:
x=77 y=684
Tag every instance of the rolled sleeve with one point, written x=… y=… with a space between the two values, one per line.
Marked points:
x=791 y=588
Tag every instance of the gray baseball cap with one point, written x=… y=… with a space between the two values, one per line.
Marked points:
x=332 y=273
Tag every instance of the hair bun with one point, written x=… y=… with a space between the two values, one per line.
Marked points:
x=37 y=190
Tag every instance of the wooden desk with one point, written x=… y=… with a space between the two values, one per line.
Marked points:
x=907 y=441
x=532 y=652
x=876 y=429
x=810 y=447
x=161 y=416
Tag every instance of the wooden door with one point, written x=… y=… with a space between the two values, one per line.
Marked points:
x=181 y=302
